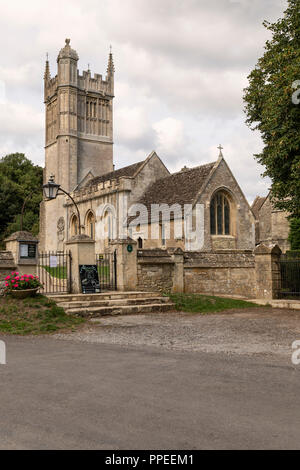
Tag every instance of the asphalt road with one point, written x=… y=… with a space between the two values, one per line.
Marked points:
x=57 y=394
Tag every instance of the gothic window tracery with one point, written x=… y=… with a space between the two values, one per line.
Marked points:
x=220 y=214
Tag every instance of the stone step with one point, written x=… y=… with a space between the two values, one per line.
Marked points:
x=110 y=295
x=120 y=310
x=113 y=302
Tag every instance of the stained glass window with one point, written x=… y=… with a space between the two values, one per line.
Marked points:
x=220 y=215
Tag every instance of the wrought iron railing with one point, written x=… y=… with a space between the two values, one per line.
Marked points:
x=107 y=270
x=54 y=271
x=290 y=276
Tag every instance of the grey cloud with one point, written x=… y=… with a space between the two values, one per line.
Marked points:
x=185 y=60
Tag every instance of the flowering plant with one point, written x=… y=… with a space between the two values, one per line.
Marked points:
x=16 y=281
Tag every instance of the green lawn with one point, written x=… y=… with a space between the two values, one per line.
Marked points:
x=60 y=272
x=34 y=315
x=197 y=303
x=103 y=271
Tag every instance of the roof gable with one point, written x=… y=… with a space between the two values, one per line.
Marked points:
x=178 y=188
x=257 y=204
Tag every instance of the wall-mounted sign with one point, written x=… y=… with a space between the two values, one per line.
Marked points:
x=27 y=250
x=53 y=261
x=129 y=248
x=89 y=278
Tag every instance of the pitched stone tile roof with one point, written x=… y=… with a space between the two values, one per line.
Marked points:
x=178 y=188
x=258 y=202
x=125 y=171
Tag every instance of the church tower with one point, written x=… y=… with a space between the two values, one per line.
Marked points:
x=79 y=121
x=78 y=135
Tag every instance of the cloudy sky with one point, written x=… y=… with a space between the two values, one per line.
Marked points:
x=181 y=66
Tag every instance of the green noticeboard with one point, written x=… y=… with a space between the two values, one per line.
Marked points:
x=129 y=248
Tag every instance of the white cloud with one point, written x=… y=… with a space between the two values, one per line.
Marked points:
x=132 y=126
x=169 y=136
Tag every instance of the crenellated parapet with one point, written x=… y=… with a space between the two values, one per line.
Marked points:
x=101 y=190
x=87 y=82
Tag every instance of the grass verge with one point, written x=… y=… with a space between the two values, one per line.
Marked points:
x=34 y=316
x=197 y=303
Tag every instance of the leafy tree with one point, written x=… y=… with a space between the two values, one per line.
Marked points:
x=20 y=179
x=270 y=108
x=294 y=235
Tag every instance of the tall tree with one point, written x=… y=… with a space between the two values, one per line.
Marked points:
x=294 y=235
x=20 y=179
x=272 y=106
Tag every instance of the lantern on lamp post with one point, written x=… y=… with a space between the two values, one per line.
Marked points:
x=51 y=190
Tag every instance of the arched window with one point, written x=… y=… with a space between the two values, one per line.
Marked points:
x=220 y=215
x=110 y=228
x=140 y=243
x=74 y=225
x=90 y=225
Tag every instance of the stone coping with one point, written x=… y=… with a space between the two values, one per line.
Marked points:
x=218 y=265
x=80 y=239
x=21 y=236
x=154 y=260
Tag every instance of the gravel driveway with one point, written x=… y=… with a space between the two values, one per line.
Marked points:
x=246 y=331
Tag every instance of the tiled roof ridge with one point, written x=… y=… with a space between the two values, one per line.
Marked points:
x=115 y=174
x=186 y=169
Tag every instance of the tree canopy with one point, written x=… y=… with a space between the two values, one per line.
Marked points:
x=20 y=179
x=272 y=106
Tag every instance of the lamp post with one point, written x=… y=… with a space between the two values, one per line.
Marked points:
x=51 y=190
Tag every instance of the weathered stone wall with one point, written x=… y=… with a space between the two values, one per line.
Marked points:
x=273 y=226
x=267 y=268
x=7 y=264
x=155 y=271
x=227 y=273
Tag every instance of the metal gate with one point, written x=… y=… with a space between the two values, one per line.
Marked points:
x=290 y=275
x=107 y=270
x=54 y=271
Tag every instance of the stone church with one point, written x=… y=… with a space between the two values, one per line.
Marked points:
x=79 y=153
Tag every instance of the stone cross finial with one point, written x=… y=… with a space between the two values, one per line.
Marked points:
x=220 y=148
